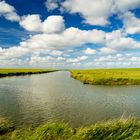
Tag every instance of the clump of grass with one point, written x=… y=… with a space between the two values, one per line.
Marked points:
x=22 y=134
x=5 y=126
x=52 y=131
x=108 y=76
x=119 y=129
x=111 y=130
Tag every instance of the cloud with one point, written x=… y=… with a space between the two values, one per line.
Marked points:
x=118 y=58
x=13 y=52
x=107 y=50
x=53 y=24
x=97 y=12
x=78 y=59
x=39 y=59
x=33 y=23
x=118 y=41
x=131 y=23
x=51 y=4
x=8 y=11
x=61 y=58
x=123 y=44
x=52 y=44
x=94 y=12
x=55 y=36
x=125 y=5
x=90 y=51
x=56 y=53
x=53 y=48
x=51 y=40
x=115 y=60
x=69 y=38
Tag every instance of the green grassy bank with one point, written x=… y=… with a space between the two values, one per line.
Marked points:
x=120 y=129
x=108 y=76
x=11 y=72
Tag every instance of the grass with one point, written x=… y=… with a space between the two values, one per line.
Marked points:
x=129 y=76
x=11 y=72
x=119 y=129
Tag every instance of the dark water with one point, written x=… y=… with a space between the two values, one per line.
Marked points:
x=31 y=100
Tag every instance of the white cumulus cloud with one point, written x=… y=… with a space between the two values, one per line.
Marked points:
x=69 y=38
x=97 y=12
x=31 y=23
x=53 y=24
x=131 y=23
x=8 y=11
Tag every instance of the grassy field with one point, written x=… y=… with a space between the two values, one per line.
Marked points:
x=120 y=129
x=108 y=76
x=11 y=72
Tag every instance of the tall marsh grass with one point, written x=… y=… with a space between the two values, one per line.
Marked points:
x=108 y=76
x=119 y=129
x=11 y=72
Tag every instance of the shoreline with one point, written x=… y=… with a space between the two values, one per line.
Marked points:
x=22 y=72
x=108 y=77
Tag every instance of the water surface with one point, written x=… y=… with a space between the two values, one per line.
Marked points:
x=33 y=99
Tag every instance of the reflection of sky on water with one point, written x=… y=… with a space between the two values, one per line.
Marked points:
x=34 y=99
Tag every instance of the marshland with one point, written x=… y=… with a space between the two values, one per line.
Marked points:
x=58 y=105
x=128 y=76
x=15 y=72
x=110 y=130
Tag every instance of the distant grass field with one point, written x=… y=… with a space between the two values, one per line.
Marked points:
x=108 y=76
x=11 y=72
x=119 y=129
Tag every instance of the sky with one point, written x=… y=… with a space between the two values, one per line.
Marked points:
x=70 y=33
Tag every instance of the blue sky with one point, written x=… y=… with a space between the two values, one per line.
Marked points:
x=70 y=33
